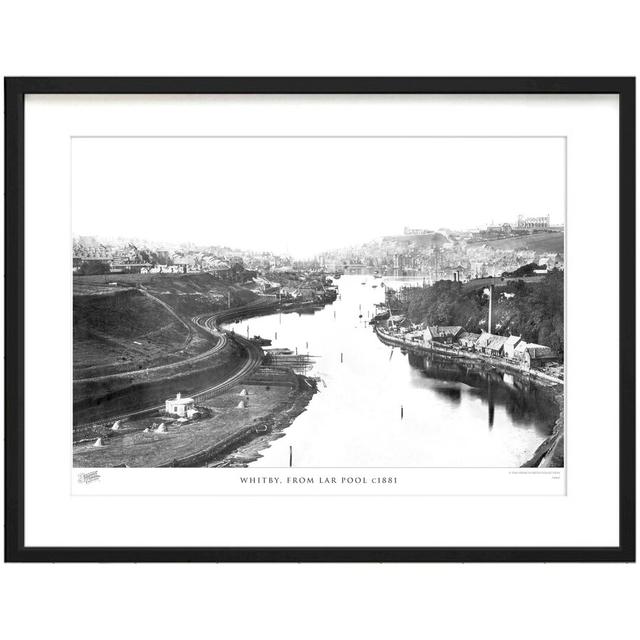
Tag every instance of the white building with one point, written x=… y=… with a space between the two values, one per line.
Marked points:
x=179 y=406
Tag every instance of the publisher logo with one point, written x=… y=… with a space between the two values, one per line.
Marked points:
x=88 y=477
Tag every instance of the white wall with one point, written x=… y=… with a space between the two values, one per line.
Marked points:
x=332 y=37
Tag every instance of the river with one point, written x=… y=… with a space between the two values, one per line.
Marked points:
x=378 y=407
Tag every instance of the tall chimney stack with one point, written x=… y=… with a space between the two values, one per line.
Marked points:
x=490 y=323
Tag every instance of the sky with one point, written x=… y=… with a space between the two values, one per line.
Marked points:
x=306 y=195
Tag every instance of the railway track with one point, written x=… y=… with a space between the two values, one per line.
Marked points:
x=208 y=322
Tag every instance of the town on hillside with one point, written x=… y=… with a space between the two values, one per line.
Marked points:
x=440 y=254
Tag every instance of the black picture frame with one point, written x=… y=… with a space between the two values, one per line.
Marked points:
x=15 y=91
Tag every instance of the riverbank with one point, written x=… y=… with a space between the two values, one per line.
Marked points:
x=232 y=420
x=250 y=448
x=462 y=355
x=550 y=453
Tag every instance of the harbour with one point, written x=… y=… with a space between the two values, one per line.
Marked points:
x=380 y=407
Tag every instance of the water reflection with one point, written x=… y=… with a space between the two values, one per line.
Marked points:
x=523 y=402
x=490 y=402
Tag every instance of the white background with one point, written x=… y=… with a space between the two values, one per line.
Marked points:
x=328 y=38
x=586 y=516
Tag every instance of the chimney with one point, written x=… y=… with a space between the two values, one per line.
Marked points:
x=490 y=323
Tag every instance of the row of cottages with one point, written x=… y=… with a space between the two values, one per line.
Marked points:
x=532 y=354
x=514 y=348
x=399 y=323
x=491 y=344
x=467 y=339
x=442 y=335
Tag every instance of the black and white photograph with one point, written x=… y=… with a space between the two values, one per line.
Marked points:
x=367 y=312
x=318 y=301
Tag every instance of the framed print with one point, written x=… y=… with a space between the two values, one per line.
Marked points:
x=320 y=319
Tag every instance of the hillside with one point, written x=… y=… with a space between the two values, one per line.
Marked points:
x=120 y=323
x=540 y=242
x=123 y=330
x=534 y=311
x=418 y=241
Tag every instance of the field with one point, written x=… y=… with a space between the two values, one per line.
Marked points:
x=135 y=448
x=541 y=242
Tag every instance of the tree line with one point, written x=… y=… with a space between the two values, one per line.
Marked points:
x=534 y=311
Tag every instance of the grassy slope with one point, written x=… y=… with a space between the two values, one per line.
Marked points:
x=117 y=328
x=121 y=330
x=542 y=242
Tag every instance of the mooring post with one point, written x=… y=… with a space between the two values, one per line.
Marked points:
x=401 y=412
x=341 y=357
x=290 y=455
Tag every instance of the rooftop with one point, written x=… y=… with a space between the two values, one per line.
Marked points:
x=444 y=332
x=180 y=400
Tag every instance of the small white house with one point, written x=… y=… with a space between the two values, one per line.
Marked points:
x=179 y=406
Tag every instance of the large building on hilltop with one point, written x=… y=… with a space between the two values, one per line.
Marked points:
x=534 y=222
x=408 y=231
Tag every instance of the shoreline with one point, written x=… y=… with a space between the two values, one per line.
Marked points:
x=247 y=451
x=276 y=420
x=550 y=452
